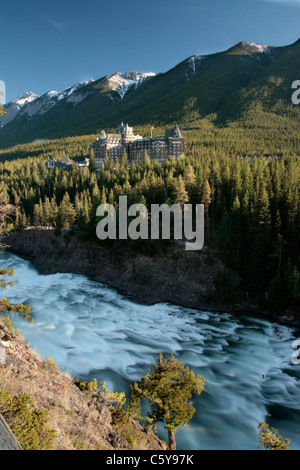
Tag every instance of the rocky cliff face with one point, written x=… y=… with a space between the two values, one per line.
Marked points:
x=176 y=276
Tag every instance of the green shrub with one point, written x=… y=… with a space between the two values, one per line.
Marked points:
x=87 y=386
x=124 y=425
x=27 y=423
x=270 y=438
x=77 y=443
x=52 y=363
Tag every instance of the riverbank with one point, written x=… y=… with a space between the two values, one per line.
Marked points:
x=79 y=421
x=177 y=276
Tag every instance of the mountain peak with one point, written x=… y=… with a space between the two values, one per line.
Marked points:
x=121 y=82
x=239 y=72
x=25 y=98
x=255 y=47
x=245 y=47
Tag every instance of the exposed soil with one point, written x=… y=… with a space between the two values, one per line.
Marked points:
x=74 y=416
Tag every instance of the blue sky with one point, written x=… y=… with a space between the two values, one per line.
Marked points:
x=50 y=45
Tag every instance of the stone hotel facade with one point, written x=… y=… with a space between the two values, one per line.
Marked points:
x=172 y=144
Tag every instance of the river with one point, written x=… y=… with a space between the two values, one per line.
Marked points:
x=91 y=330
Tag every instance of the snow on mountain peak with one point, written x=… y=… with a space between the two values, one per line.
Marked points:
x=29 y=104
x=256 y=47
x=25 y=98
x=51 y=93
x=60 y=95
x=69 y=91
x=194 y=61
x=121 y=82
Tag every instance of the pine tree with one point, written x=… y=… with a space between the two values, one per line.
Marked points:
x=111 y=198
x=66 y=212
x=54 y=211
x=190 y=179
x=103 y=199
x=106 y=161
x=181 y=195
x=92 y=161
x=77 y=205
x=124 y=161
x=146 y=160
x=47 y=212
x=95 y=195
x=169 y=387
x=261 y=227
x=206 y=193
x=206 y=200
x=38 y=215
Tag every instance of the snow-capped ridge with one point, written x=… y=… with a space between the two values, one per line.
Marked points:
x=67 y=92
x=50 y=93
x=121 y=82
x=25 y=98
x=30 y=104
x=256 y=46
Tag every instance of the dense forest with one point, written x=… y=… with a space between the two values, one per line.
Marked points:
x=248 y=180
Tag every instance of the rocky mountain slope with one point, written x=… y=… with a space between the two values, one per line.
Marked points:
x=248 y=82
x=30 y=108
x=29 y=104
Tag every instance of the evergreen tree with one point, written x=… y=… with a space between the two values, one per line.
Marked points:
x=261 y=228
x=66 y=212
x=106 y=161
x=181 y=195
x=95 y=195
x=47 y=216
x=124 y=161
x=53 y=211
x=169 y=387
x=38 y=215
x=190 y=179
x=103 y=199
x=5 y=274
x=92 y=161
x=146 y=160
x=206 y=194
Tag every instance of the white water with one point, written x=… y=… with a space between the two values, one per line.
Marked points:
x=92 y=331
